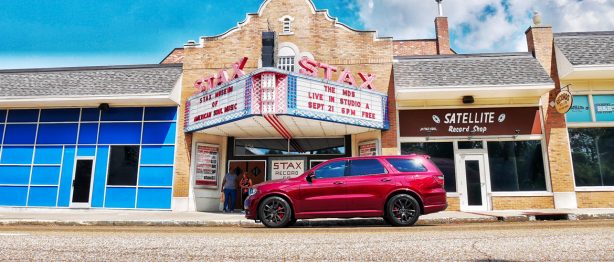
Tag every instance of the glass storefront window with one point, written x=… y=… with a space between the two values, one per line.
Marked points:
x=441 y=153
x=261 y=147
x=592 y=151
x=317 y=146
x=300 y=146
x=516 y=166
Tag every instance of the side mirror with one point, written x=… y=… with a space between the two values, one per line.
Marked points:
x=310 y=177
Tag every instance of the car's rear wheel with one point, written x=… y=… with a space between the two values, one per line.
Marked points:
x=402 y=210
x=275 y=212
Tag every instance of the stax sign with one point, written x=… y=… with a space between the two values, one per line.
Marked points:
x=308 y=67
x=208 y=83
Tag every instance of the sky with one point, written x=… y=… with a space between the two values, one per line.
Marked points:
x=51 y=33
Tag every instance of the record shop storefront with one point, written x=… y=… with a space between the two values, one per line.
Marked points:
x=275 y=124
x=486 y=154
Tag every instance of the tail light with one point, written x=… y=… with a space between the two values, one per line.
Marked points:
x=439 y=179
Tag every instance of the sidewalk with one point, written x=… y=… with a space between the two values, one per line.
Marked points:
x=71 y=217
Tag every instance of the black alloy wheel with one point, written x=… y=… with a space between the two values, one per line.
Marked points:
x=402 y=210
x=275 y=212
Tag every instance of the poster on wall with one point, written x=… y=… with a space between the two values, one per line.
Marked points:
x=206 y=159
x=367 y=148
x=286 y=168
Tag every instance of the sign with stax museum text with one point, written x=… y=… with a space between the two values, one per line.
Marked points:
x=270 y=91
x=470 y=122
x=286 y=168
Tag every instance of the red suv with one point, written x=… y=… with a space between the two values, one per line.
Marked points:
x=397 y=188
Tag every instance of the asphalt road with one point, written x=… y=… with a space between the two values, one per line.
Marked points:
x=546 y=241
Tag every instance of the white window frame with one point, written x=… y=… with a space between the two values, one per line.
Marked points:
x=286 y=25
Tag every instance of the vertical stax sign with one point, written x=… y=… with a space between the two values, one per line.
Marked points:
x=308 y=66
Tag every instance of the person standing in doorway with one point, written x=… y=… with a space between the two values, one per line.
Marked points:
x=245 y=184
x=229 y=187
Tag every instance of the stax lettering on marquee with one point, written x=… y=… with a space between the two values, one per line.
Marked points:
x=212 y=81
x=308 y=67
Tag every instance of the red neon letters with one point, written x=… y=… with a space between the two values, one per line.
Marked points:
x=310 y=67
x=207 y=83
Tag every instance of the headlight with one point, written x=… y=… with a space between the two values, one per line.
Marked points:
x=252 y=191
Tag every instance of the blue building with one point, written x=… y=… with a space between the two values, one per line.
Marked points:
x=94 y=137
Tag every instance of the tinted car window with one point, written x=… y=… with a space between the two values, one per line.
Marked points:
x=406 y=165
x=365 y=167
x=334 y=169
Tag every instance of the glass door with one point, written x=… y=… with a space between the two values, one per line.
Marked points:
x=82 y=183
x=472 y=176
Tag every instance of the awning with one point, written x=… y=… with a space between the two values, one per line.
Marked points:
x=275 y=103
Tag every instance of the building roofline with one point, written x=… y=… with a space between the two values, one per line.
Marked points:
x=415 y=40
x=457 y=56
x=170 y=53
x=581 y=34
x=87 y=68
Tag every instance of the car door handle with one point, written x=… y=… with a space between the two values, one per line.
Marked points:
x=339 y=183
x=386 y=179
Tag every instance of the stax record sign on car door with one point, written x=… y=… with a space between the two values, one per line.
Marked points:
x=470 y=122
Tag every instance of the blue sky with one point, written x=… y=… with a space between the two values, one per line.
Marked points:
x=51 y=33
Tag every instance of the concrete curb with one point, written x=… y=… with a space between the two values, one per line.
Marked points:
x=241 y=223
x=300 y=223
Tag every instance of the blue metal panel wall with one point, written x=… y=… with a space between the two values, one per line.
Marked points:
x=66 y=177
x=38 y=150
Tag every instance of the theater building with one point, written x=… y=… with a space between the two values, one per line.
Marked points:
x=290 y=87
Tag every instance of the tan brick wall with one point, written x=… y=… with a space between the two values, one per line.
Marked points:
x=453 y=204
x=561 y=169
x=595 y=199
x=329 y=43
x=520 y=203
x=174 y=57
x=540 y=42
x=415 y=47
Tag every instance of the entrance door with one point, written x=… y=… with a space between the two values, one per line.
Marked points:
x=82 y=184
x=473 y=183
x=256 y=171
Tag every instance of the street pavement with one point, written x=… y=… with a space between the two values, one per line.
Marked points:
x=589 y=240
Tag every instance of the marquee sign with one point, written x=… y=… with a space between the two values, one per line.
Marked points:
x=470 y=122
x=271 y=91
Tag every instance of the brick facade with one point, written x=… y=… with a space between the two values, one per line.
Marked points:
x=541 y=44
x=314 y=32
x=453 y=204
x=174 y=57
x=415 y=47
x=595 y=199
x=443 y=36
x=522 y=203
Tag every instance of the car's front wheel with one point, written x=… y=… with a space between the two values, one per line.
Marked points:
x=402 y=210
x=275 y=212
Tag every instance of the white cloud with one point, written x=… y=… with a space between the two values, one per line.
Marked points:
x=484 y=25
